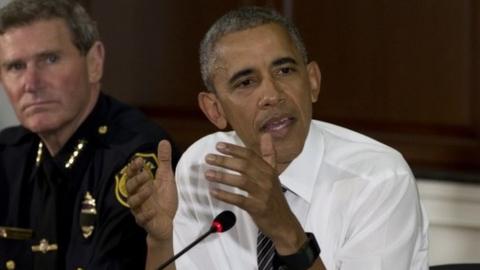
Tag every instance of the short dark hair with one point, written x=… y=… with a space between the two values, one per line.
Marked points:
x=238 y=20
x=23 y=12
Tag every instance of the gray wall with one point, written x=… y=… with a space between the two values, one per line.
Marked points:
x=7 y=117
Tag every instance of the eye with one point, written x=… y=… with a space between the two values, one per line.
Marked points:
x=244 y=83
x=285 y=70
x=16 y=66
x=51 y=58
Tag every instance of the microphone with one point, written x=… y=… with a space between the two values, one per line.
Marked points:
x=221 y=223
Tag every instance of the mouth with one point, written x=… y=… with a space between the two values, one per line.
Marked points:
x=34 y=106
x=278 y=127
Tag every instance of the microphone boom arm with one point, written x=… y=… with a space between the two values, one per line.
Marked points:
x=222 y=222
x=187 y=248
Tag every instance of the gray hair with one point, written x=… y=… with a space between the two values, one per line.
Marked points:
x=24 y=12
x=238 y=20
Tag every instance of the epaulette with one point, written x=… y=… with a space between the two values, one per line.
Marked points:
x=14 y=135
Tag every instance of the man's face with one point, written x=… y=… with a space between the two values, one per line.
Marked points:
x=45 y=76
x=263 y=86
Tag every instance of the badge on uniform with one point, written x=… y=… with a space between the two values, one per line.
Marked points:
x=150 y=165
x=88 y=215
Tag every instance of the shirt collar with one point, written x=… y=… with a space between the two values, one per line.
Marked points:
x=301 y=175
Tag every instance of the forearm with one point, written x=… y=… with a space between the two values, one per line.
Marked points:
x=159 y=252
x=288 y=236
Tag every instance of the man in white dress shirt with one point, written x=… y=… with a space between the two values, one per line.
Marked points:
x=327 y=197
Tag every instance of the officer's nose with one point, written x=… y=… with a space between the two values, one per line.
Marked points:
x=31 y=79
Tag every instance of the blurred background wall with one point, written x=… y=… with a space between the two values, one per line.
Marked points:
x=405 y=72
x=7 y=117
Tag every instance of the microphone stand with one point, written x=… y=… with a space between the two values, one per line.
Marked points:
x=222 y=222
x=187 y=248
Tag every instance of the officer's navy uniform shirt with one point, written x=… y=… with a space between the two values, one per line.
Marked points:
x=47 y=194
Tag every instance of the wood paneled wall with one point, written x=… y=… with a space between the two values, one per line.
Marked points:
x=404 y=72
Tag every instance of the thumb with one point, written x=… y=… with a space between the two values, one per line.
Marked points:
x=267 y=149
x=164 y=155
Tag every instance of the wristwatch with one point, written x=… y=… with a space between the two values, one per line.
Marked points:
x=305 y=256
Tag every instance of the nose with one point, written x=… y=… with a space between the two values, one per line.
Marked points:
x=272 y=94
x=31 y=79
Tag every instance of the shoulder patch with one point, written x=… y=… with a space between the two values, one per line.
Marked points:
x=150 y=165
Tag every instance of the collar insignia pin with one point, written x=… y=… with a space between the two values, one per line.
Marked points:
x=103 y=130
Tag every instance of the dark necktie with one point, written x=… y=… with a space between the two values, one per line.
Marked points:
x=47 y=214
x=265 y=252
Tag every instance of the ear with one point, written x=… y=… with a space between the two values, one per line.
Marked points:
x=212 y=108
x=95 y=59
x=315 y=78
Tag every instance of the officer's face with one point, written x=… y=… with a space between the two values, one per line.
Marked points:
x=51 y=85
x=263 y=86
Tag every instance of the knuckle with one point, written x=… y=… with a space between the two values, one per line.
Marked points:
x=243 y=165
x=242 y=182
x=268 y=186
x=132 y=202
x=220 y=160
x=217 y=175
x=140 y=219
x=240 y=201
x=262 y=208
x=250 y=154
x=130 y=185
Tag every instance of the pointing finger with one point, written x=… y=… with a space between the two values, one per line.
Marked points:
x=267 y=149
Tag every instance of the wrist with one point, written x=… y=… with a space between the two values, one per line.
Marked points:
x=304 y=257
x=154 y=243
x=289 y=243
x=288 y=239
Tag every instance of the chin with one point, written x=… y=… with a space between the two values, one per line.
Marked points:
x=40 y=125
x=286 y=154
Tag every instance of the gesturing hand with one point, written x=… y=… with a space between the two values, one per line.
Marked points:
x=154 y=202
x=257 y=176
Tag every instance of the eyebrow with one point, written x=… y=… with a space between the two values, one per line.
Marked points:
x=284 y=60
x=47 y=53
x=248 y=71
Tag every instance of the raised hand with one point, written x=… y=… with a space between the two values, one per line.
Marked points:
x=265 y=201
x=154 y=201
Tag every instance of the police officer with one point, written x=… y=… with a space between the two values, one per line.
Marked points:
x=62 y=172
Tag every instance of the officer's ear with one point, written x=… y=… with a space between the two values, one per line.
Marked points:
x=95 y=58
x=212 y=108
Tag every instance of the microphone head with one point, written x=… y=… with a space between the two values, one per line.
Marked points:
x=223 y=222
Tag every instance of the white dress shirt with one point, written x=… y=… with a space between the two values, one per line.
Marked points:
x=356 y=195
